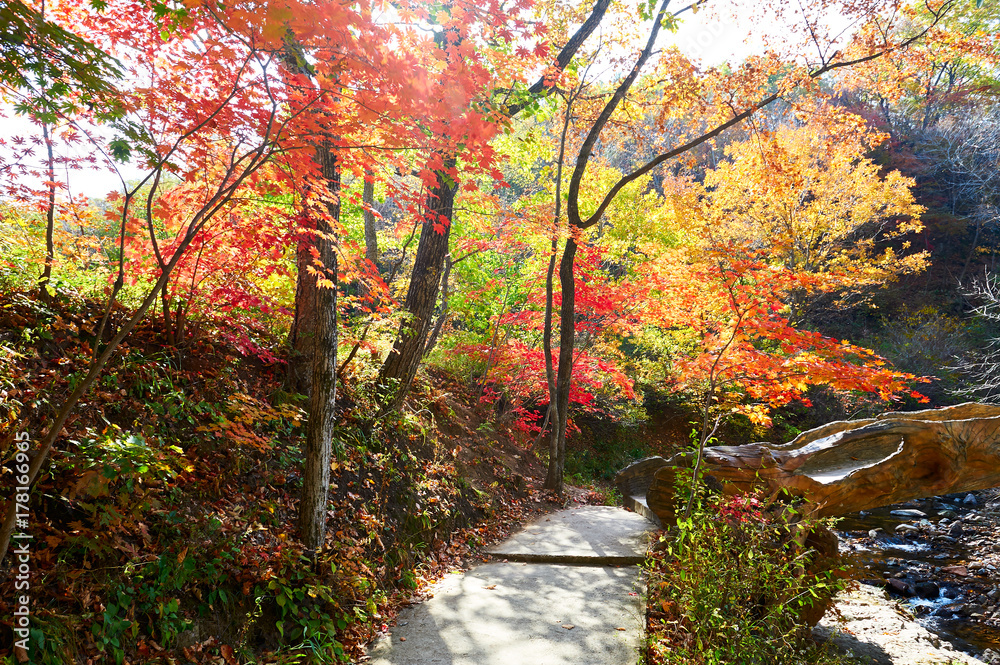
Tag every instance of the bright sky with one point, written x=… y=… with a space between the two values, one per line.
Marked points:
x=710 y=39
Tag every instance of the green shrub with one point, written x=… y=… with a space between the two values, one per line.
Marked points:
x=731 y=585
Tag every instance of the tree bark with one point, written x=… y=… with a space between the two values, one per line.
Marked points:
x=50 y=217
x=848 y=466
x=443 y=315
x=564 y=374
x=302 y=336
x=323 y=395
x=400 y=367
x=371 y=236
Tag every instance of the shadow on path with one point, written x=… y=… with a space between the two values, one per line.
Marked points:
x=516 y=613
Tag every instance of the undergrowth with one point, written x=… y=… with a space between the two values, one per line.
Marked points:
x=164 y=525
x=730 y=585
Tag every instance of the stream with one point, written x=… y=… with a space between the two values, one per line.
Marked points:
x=941 y=556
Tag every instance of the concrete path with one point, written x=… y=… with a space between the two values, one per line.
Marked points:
x=589 y=535
x=553 y=600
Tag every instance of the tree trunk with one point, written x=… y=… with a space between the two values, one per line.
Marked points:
x=302 y=336
x=564 y=373
x=443 y=315
x=50 y=219
x=847 y=466
x=323 y=396
x=371 y=237
x=421 y=298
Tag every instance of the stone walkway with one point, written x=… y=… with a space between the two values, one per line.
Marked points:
x=564 y=591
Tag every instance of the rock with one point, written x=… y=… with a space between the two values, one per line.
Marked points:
x=947 y=513
x=971 y=609
x=955 y=530
x=906 y=528
x=943 y=612
x=970 y=500
x=947 y=539
x=961 y=571
x=876 y=532
x=927 y=589
x=899 y=587
x=909 y=513
x=950 y=593
x=994 y=593
x=849 y=466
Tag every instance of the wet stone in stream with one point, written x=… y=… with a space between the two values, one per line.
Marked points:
x=942 y=555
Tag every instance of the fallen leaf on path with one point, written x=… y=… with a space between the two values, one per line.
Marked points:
x=568 y=626
x=490 y=587
x=619 y=629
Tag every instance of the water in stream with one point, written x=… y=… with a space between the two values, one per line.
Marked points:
x=958 y=577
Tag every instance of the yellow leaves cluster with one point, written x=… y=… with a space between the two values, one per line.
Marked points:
x=817 y=205
x=76 y=237
x=956 y=60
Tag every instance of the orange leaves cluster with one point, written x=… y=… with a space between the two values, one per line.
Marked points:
x=727 y=308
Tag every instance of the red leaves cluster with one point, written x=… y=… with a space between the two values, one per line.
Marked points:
x=741 y=508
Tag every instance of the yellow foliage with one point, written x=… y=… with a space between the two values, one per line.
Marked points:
x=815 y=202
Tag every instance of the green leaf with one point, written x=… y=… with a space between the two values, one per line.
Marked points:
x=120 y=149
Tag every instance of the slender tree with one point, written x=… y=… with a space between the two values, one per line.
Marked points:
x=725 y=102
x=425 y=283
